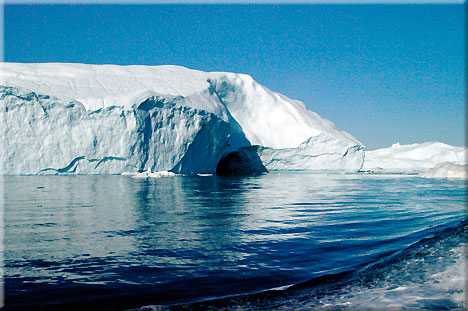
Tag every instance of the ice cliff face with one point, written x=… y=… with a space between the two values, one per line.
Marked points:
x=49 y=135
x=106 y=119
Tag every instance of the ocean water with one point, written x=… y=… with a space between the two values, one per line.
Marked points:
x=282 y=241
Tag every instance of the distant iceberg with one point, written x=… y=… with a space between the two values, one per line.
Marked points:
x=447 y=170
x=107 y=119
x=414 y=158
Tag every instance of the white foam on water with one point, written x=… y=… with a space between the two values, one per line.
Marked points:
x=429 y=275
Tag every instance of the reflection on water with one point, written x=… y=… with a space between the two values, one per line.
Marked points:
x=177 y=239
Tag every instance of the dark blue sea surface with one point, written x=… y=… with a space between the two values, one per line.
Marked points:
x=116 y=242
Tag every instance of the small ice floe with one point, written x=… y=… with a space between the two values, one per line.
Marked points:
x=447 y=170
x=204 y=175
x=148 y=174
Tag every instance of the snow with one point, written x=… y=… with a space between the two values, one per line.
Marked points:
x=447 y=170
x=412 y=158
x=109 y=119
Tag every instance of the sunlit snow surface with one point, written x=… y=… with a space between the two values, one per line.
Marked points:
x=412 y=158
x=107 y=119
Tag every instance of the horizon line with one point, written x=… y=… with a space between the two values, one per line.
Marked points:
x=220 y=2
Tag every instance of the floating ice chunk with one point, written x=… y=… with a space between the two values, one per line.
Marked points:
x=154 y=175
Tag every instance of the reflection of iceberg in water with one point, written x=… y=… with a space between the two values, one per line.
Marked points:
x=181 y=239
x=77 y=208
x=66 y=227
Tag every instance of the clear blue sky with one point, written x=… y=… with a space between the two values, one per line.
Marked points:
x=384 y=73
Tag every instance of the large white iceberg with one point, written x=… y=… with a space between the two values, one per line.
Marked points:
x=108 y=119
x=412 y=158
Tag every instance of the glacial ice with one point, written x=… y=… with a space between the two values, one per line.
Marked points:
x=48 y=135
x=107 y=119
x=322 y=151
x=448 y=170
x=414 y=158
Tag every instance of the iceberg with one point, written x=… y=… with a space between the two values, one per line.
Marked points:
x=448 y=170
x=413 y=158
x=107 y=119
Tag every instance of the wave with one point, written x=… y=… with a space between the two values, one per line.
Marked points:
x=428 y=275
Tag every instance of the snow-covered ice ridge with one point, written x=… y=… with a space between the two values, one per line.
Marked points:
x=413 y=158
x=109 y=119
